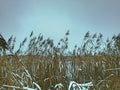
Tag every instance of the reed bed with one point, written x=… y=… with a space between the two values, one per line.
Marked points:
x=46 y=66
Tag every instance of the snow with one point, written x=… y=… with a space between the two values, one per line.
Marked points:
x=84 y=86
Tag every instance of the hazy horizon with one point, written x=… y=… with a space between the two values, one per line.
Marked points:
x=53 y=18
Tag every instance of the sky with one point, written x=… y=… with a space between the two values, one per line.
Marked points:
x=53 y=18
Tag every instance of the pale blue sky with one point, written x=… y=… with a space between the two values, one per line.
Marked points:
x=53 y=18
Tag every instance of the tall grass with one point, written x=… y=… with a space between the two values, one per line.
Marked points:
x=49 y=65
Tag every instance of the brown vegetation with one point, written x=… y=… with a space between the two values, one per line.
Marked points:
x=47 y=64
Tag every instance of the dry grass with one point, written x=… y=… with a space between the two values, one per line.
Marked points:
x=47 y=64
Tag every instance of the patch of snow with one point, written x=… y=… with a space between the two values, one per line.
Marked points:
x=84 y=86
x=60 y=85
